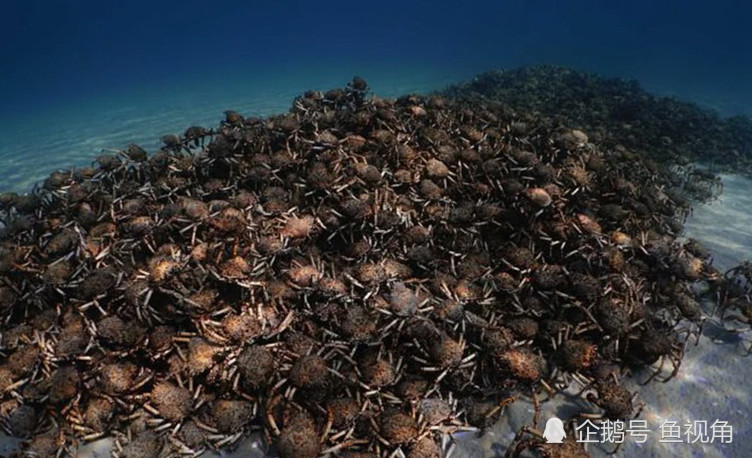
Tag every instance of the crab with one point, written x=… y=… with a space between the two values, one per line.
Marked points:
x=568 y=448
x=656 y=343
x=615 y=400
x=736 y=294
x=296 y=431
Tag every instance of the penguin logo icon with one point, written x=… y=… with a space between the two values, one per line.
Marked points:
x=554 y=432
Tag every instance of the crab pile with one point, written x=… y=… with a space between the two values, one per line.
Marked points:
x=620 y=112
x=358 y=277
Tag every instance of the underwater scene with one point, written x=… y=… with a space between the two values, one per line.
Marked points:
x=389 y=229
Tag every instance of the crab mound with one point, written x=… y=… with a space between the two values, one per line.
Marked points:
x=358 y=275
x=617 y=112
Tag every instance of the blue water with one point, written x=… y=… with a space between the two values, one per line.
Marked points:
x=84 y=76
x=58 y=52
x=76 y=77
x=55 y=53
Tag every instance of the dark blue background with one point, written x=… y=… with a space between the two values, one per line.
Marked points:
x=54 y=51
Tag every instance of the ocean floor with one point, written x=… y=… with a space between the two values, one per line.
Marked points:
x=712 y=384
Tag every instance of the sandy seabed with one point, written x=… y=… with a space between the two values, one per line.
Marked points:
x=712 y=384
